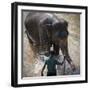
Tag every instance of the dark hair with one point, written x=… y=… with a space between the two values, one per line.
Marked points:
x=52 y=53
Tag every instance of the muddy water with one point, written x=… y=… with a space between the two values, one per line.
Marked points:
x=32 y=64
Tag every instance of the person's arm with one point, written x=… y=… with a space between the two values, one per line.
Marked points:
x=43 y=69
x=60 y=63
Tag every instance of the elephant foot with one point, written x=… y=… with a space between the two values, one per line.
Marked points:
x=73 y=66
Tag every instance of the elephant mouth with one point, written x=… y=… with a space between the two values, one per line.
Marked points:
x=44 y=50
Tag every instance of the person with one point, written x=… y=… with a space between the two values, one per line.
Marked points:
x=51 y=65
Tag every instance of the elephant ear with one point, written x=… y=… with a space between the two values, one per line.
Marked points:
x=61 y=29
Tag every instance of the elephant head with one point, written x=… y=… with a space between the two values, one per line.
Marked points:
x=60 y=35
x=45 y=29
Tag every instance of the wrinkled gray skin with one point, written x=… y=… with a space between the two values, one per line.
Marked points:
x=45 y=29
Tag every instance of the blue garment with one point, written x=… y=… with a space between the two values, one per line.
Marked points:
x=51 y=66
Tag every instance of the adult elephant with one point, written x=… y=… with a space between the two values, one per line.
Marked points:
x=45 y=30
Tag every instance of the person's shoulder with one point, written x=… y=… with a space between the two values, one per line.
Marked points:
x=55 y=60
x=46 y=61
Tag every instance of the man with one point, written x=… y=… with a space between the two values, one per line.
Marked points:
x=51 y=65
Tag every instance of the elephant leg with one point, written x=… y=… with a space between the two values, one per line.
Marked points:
x=64 y=49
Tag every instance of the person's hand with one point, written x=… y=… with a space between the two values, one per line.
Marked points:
x=64 y=59
x=62 y=62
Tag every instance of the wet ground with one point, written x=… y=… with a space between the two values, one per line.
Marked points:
x=32 y=66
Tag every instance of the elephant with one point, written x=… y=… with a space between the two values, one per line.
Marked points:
x=46 y=29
